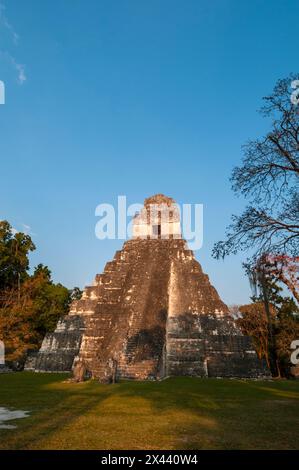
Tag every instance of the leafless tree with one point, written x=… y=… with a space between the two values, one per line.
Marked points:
x=269 y=179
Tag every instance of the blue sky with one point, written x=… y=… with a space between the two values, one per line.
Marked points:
x=105 y=98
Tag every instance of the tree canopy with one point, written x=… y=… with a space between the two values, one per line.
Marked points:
x=272 y=333
x=30 y=305
x=14 y=251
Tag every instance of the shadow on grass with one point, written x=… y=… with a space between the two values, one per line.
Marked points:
x=225 y=414
x=52 y=405
x=178 y=413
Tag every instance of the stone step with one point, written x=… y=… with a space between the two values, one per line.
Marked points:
x=90 y=292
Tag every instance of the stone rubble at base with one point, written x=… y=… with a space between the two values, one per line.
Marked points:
x=5 y=369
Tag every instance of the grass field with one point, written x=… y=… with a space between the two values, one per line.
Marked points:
x=178 y=413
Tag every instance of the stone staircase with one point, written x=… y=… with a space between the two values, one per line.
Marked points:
x=152 y=313
x=125 y=331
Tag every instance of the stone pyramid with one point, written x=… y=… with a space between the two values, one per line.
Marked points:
x=152 y=313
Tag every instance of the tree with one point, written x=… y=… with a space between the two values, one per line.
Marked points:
x=14 y=251
x=44 y=271
x=75 y=294
x=272 y=319
x=284 y=269
x=25 y=319
x=269 y=177
x=255 y=323
x=287 y=331
x=30 y=306
x=262 y=283
x=49 y=301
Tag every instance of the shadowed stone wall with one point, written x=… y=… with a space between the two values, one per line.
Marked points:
x=59 y=349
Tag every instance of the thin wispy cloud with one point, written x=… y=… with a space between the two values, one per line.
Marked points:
x=27 y=230
x=20 y=68
x=5 y=25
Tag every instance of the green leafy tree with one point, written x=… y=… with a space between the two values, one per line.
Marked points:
x=30 y=306
x=50 y=301
x=43 y=271
x=14 y=251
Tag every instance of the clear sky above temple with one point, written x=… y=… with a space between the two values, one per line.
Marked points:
x=132 y=98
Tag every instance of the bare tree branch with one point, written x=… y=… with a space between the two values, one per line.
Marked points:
x=269 y=178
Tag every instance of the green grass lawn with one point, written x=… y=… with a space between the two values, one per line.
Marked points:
x=178 y=413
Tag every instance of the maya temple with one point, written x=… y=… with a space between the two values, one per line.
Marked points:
x=151 y=314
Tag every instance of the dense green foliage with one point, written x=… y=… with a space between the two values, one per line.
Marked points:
x=14 y=250
x=30 y=305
